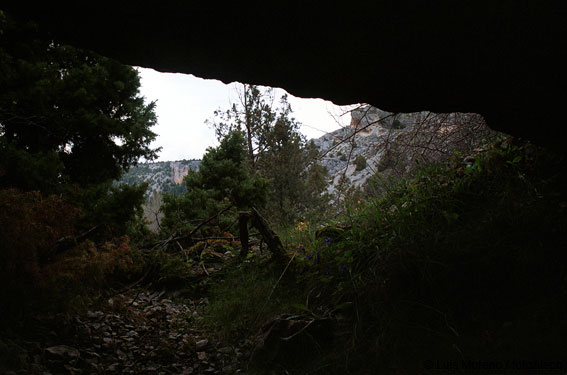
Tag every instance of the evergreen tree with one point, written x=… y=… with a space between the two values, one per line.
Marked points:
x=253 y=116
x=223 y=179
x=278 y=151
x=71 y=122
x=283 y=162
x=66 y=115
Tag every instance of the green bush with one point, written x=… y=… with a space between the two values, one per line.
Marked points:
x=247 y=296
x=454 y=263
x=451 y=254
x=397 y=124
x=42 y=264
x=360 y=162
x=30 y=226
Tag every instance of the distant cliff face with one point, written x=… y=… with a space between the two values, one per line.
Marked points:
x=376 y=142
x=179 y=172
x=395 y=144
x=163 y=177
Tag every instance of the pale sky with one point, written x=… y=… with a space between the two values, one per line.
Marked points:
x=184 y=102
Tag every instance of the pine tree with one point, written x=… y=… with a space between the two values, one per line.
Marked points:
x=223 y=179
x=277 y=151
x=253 y=116
x=66 y=115
x=71 y=122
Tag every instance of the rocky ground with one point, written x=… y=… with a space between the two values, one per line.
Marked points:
x=137 y=332
x=148 y=330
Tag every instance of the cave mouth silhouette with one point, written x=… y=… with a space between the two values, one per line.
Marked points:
x=503 y=60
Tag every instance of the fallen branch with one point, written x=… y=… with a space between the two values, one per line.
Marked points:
x=67 y=242
x=298 y=332
x=172 y=237
x=137 y=282
x=205 y=222
x=182 y=250
x=272 y=240
x=222 y=238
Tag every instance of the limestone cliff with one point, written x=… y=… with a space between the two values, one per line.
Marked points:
x=162 y=177
x=388 y=144
x=395 y=144
x=179 y=172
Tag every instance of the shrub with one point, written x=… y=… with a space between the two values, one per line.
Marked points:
x=455 y=262
x=451 y=252
x=397 y=124
x=30 y=226
x=42 y=266
x=247 y=297
x=89 y=271
x=360 y=162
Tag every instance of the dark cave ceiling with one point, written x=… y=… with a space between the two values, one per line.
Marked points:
x=503 y=59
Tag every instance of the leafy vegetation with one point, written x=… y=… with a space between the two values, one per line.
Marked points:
x=244 y=302
x=360 y=162
x=71 y=122
x=43 y=267
x=443 y=261
x=455 y=263
x=223 y=179
x=278 y=152
x=60 y=106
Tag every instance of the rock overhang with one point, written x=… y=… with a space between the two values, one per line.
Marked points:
x=503 y=59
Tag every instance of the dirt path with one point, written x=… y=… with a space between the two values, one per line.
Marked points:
x=139 y=332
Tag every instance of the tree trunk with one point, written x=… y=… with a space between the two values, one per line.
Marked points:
x=248 y=125
x=243 y=224
x=272 y=240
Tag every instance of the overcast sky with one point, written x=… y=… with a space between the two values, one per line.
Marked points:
x=184 y=102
